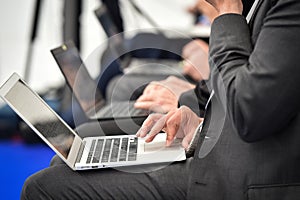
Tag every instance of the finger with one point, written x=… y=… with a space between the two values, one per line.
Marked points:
x=148 y=89
x=172 y=129
x=145 y=97
x=144 y=105
x=158 y=126
x=171 y=133
x=152 y=86
x=151 y=105
x=186 y=141
x=147 y=124
x=146 y=127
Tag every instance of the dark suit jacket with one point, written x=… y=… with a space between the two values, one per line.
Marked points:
x=250 y=143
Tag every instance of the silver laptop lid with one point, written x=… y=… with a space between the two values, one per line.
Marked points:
x=41 y=118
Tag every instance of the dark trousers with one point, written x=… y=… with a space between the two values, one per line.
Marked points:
x=143 y=182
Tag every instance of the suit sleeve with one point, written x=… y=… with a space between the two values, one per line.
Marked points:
x=258 y=83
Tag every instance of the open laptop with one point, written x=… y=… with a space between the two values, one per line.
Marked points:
x=85 y=89
x=87 y=153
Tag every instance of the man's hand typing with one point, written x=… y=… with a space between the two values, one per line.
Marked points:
x=178 y=123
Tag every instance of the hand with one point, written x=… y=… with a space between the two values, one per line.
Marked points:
x=196 y=60
x=204 y=8
x=179 y=123
x=227 y=6
x=162 y=96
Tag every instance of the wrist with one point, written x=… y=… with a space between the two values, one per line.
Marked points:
x=231 y=9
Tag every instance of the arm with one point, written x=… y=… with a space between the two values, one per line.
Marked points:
x=260 y=81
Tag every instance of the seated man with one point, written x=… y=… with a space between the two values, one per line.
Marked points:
x=249 y=144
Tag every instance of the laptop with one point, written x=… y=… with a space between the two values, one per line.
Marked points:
x=86 y=153
x=85 y=89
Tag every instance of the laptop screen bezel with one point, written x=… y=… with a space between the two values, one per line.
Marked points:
x=70 y=46
x=77 y=141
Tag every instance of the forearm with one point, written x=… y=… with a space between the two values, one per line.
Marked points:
x=259 y=83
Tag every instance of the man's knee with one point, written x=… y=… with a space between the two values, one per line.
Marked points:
x=32 y=190
x=56 y=160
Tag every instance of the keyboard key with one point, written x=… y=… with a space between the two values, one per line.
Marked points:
x=89 y=158
x=106 y=151
x=123 y=151
x=98 y=151
x=79 y=156
x=115 y=150
x=133 y=149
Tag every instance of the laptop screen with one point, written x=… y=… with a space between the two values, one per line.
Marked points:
x=78 y=78
x=35 y=112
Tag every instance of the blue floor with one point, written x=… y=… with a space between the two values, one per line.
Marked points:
x=18 y=161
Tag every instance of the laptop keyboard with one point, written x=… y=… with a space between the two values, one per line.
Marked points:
x=113 y=150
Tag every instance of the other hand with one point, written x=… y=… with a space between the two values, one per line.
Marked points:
x=196 y=60
x=162 y=96
x=204 y=8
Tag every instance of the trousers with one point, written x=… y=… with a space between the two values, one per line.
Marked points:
x=141 y=182
x=58 y=181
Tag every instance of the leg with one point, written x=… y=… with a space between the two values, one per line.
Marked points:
x=60 y=182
